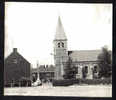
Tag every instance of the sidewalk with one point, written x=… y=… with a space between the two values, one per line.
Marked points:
x=49 y=90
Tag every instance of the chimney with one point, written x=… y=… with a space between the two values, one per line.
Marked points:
x=14 y=50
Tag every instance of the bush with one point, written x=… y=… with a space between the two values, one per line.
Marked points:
x=7 y=85
x=68 y=82
x=16 y=84
x=95 y=81
x=25 y=82
x=65 y=82
x=21 y=82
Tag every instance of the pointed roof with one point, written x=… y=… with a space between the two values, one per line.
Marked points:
x=60 y=34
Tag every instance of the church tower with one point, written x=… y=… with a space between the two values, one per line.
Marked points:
x=60 y=50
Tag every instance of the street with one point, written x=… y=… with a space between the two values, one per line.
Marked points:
x=74 y=90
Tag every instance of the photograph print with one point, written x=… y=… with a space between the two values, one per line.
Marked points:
x=58 y=49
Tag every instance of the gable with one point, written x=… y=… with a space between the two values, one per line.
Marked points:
x=16 y=56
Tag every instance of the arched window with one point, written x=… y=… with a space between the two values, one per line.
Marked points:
x=58 y=45
x=95 y=69
x=86 y=69
x=77 y=69
x=62 y=44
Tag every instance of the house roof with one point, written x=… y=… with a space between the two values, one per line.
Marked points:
x=51 y=68
x=15 y=55
x=84 y=55
x=60 y=34
x=42 y=68
x=34 y=70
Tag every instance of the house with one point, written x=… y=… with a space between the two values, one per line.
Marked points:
x=16 y=67
x=44 y=72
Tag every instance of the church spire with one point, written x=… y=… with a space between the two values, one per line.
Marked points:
x=60 y=34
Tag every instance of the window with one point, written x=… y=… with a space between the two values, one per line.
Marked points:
x=77 y=69
x=86 y=69
x=95 y=69
x=15 y=61
x=62 y=44
x=58 y=45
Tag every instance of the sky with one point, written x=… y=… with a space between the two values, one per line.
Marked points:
x=30 y=27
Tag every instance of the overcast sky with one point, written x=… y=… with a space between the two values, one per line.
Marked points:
x=31 y=27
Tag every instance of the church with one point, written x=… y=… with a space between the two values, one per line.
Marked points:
x=82 y=59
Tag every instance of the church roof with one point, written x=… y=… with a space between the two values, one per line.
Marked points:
x=60 y=34
x=84 y=55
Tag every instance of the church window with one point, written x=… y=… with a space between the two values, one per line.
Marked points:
x=58 y=45
x=95 y=69
x=77 y=69
x=86 y=69
x=62 y=44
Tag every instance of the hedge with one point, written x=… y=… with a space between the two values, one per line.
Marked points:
x=25 y=82
x=64 y=82
x=68 y=82
x=95 y=81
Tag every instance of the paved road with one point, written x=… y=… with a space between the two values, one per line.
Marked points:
x=49 y=90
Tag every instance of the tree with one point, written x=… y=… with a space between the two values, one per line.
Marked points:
x=105 y=63
x=70 y=71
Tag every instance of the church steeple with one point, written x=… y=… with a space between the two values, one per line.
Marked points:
x=60 y=34
x=60 y=50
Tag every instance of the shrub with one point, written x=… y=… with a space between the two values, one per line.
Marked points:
x=22 y=82
x=68 y=82
x=7 y=85
x=25 y=82
x=95 y=81
x=65 y=82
